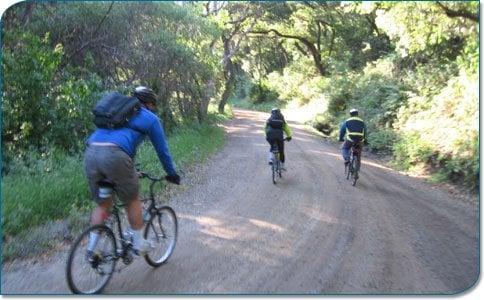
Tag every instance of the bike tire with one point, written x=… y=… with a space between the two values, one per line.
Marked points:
x=164 y=235
x=354 y=173
x=356 y=169
x=274 y=171
x=348 y=171
x=77 y=253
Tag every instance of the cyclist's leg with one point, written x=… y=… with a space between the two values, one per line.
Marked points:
x=271 y=142
x=345 y=150
x=94 y=175
x=280 y=144
x=120 y=169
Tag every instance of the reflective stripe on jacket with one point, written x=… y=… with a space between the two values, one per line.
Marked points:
x=353 y=129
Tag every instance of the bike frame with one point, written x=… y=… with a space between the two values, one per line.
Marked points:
x=152 y=209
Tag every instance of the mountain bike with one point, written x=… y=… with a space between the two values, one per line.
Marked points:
x=353 y=168
x=88 y=272
x=276 y=165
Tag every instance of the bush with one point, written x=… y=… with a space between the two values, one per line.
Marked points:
x=382 y=140
x=325 y=123
x=411 y=149
x=262 y=93
x=339 y=92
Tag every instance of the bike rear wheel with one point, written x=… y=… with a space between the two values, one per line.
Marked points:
x=274 y=168
x=356 y=169
x=161 y=230
x=348 y=171
x=90 y=274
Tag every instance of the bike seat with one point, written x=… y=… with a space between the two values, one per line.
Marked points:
x=106 y=183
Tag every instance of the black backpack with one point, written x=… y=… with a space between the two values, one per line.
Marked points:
x=115 y=110
x=275 y=123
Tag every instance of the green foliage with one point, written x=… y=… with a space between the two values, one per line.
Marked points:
x=411 y=149
x=339 y=92
x=382 y=141
x=52 y=80
x=326 y=123
x=260 y=93
x=296 y=83
x=48 y=189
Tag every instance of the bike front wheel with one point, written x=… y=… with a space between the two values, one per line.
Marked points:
x=161 y=230
x=88 y=272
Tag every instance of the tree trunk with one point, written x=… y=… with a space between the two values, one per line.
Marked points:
x=228 y=75
x=229 y=86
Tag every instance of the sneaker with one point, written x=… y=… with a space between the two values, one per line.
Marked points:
x=145 y=247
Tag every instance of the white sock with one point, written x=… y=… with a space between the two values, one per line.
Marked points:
x=137 y=237
x=93 y=238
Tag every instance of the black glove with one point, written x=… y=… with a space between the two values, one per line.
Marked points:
x=288 y=138
x=175 y=178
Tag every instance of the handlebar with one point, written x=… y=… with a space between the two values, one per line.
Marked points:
x=150 y=177
x=142 y=174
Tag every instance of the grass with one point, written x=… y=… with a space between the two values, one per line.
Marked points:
x=37 y=196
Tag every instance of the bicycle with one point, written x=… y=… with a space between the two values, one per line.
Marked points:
x=276 y=163
x=353 y=168
x=111 y=247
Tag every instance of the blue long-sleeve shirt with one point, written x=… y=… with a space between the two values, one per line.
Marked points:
x=144 y=123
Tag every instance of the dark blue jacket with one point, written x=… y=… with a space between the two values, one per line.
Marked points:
x=353 y=129
x=144 y=123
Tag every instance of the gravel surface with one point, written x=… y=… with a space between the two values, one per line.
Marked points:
x=312 y=233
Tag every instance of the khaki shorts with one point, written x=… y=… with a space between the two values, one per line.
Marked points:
x=112 y=163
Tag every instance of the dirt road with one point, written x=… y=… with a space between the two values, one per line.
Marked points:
x=311 y=233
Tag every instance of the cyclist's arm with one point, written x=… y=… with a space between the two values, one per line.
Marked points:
x=158 y=139
x=342 y=131
x=287 y=130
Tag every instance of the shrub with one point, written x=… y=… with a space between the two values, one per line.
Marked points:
x=411 y=149
x=382 y=140
x=262 y=93
x=325 y=123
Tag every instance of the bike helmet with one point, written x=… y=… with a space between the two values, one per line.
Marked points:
x=275 y=110
x=145 y=95
x=353 y=112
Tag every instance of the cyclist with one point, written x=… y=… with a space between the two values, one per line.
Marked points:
x=352 y=132
x=276 y=126
x=110 y=154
